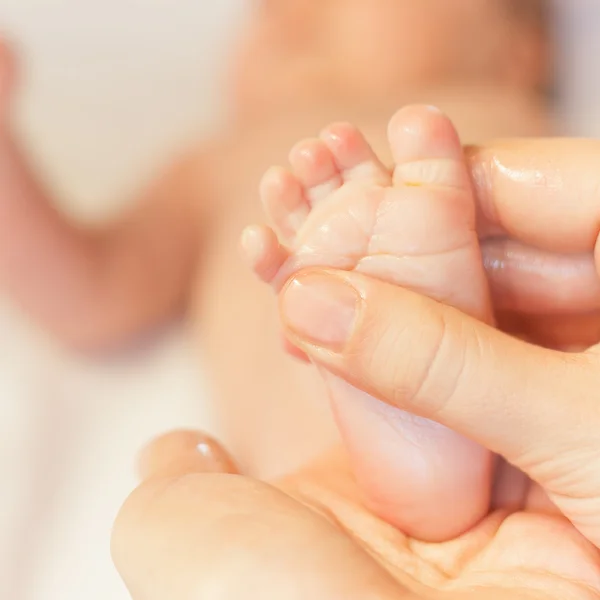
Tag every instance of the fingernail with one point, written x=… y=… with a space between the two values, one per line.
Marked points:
x=321 y=310
x=252 y=244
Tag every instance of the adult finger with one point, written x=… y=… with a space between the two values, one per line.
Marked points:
x=526 y=189
x=531 y=281
x=535 y=407
x=180 y=452
x=539 y=217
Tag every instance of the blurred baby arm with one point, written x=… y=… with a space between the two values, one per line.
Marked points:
x=96 y=288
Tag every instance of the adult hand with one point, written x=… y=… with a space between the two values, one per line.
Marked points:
x=194 y=531
x=538 y=408
x=539 y=204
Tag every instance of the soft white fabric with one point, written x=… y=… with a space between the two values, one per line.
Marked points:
x=111 y=87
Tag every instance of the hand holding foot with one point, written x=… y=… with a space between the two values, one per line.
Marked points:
x=533 y=406
x=413 y=227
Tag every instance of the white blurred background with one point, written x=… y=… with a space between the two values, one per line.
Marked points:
x=110 y=89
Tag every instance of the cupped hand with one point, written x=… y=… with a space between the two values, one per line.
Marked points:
x=195 y=530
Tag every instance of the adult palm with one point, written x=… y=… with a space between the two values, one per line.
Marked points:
x=192 y=531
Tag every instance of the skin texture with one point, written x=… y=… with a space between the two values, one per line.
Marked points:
x=184 y=533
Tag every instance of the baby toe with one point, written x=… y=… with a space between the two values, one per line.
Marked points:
x=426 y=149
x=263 y=252
x=353 y=155
x=315 y=168
x=284 y=202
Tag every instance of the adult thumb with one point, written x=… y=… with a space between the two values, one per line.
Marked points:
x=536 y=407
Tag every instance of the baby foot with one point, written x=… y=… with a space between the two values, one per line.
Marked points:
x=343 y=208
x=413 y=226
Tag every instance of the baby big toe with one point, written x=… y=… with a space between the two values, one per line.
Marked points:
x=426 y=149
